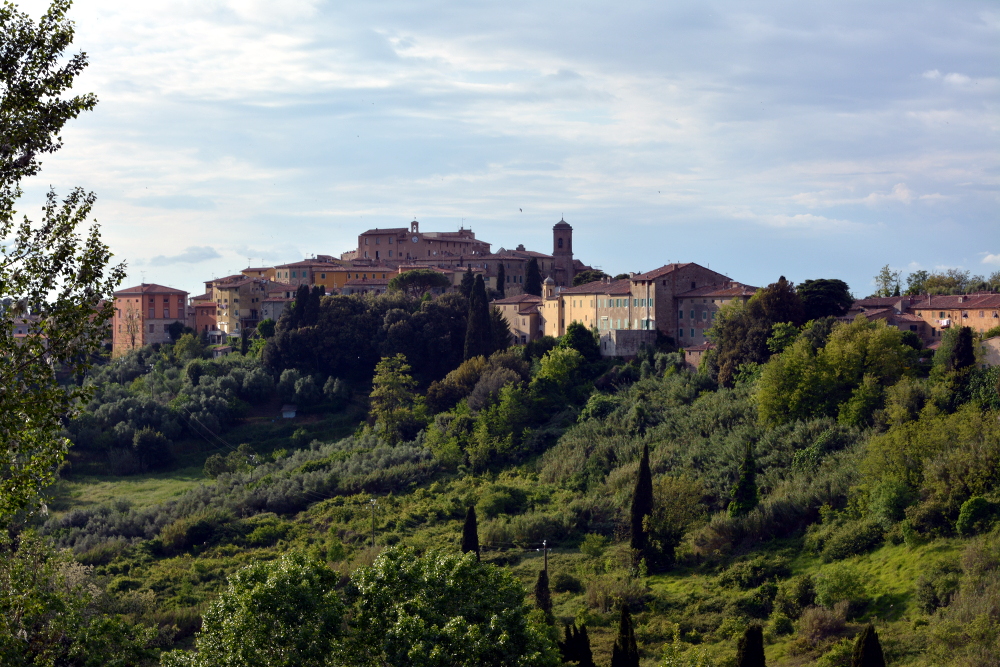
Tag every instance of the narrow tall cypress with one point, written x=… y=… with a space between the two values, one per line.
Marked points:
x=468 y=280
x=478 y=336
x=576 y=646
x=642 y=503
x=744 y=492
x=750 y=648
x=543 y=597
x=868 y=649
x=470 y=532
x=501 y=280
x=532 y=278
x=625 y=652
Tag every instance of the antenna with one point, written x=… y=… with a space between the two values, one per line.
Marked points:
x=142 y=274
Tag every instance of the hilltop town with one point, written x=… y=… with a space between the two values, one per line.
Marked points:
x=677 y=300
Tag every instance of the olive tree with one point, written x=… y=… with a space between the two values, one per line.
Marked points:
x=54 y=278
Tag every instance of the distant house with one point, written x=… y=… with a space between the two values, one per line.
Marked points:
x=221 y=351
x=288 y=411
x=694 y=354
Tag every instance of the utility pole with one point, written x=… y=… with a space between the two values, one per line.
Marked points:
x=373 y=522
x=545 y=555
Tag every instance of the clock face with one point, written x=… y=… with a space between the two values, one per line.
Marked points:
x=415 y=239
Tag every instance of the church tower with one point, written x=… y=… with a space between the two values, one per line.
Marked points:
x=562 y=253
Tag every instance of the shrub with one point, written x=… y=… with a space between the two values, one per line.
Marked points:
x=752 y=573
x=608 y=592
x=818 y=624
x=501 y=500
x=852 y=538
x=794 y=595
x=564 y=582
x=976 y=516
x=593 y=545
x=841 y=582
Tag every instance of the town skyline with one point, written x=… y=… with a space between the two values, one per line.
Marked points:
x=760 y=141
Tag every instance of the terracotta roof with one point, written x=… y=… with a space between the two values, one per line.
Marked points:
x=700 y=348
x=959 y=302
x=304 y=262
x=388 y=230
x=601 y=287
x=906 y=317
x=723 y=290
x=207 y=304
x=258 y=268
x=145 y=288
x=520 y=298
x=371 y=282
x=662 y=271
x=202 y=297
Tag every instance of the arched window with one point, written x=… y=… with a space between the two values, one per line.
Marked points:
x=560 y=243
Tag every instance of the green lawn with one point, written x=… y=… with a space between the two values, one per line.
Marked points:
x=139 y=490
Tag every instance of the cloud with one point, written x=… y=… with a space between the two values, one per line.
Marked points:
x=191 y=255
x=990 y=258
x=932 y=74
x=900 y=193
x=276 y=254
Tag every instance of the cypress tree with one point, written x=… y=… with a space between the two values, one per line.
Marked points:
x=500 y=335
x=478 y=337
x=750 y=649
x=868 y=649
x=543 y=597
x=744 y=492
x=642 y=503
x=532 y=278
x=576 y=646
x=296 y=316
x=501 y=280
x=470 y=532
x=625 y=652
x=468 y=280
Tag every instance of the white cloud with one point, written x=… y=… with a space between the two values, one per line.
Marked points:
x=990 y=258
x=191 y=255
x=956 y=79
x=932 y=74
x=899 y=193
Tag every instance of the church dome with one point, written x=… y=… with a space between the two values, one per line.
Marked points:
x=549 y=281
x=562 y=224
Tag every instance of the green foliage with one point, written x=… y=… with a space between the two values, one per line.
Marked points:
x=442 y=609
x=956 y=351
x=625 y=652
x=977 y=515
x=418 y=281
x=591 y=276
x=887 y=282
x=396 y=410
x=783 y=334
x=583 y=340
x=846 y=377
x=543 y=596
x=744 y=492
x=273 y=614
x=575 y=648
x=53 y=613
x=642 y=505
x=470 y=533
x=468 y=282
x=532 y=278
x=266 y=328
x=478 y=332
x=593 y=545
x=824 y=298
x=867 y=649
x=840 y=582
x=48 y=271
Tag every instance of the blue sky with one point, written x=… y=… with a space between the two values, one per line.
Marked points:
x=805 y=139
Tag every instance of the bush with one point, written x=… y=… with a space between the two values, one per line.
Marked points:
x=593 y=545
x=818 y=624
x=564 y=582
x=852 y=538
x=794 y=595
x=501 y=500
x=976 y=516
x=152 y=448
x=838 y=583
x=752 y=573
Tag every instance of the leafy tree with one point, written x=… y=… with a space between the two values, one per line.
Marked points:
x=532 y=278
x=470 y=532
x=976 y=516
x=750 y=648
x=501 y=280
x=744 y=491
x=642 y=504
x=887 y=282
x=175 y=330
x=622 y=276
x=543 y=596
x=395 y=408
x=916 y=282
x=741 y=331
x=677 y=505
x=280 y=613
x=152 y=448
x=478 y=336
x=867 y=649
x=824 y=298
x=625 y=652
x=576 y=646
x=957 y=350
x=266 y=327
x=419 y=281
x=188 y=347
x=585 y=277
x=442 y=609
x=580 y=338
x=468 y=282
x=49 y=270
x=51 y=612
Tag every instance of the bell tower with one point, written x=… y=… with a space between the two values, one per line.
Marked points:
x=562 y=253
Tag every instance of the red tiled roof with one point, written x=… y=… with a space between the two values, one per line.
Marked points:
x=388 y=230
x=958 y=302
x=304 y=262
x=723 y=290
x=623 y=286
x=700 y=348
x=202 y=297
x=146 y=288
x=520 y=298
x=662 y=271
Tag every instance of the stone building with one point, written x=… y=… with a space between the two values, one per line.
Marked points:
x=521 y=313
x=143 y=315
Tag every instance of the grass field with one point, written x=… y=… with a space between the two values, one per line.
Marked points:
x=139 y=490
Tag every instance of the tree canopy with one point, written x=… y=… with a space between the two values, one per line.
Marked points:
x=590 y=276
x=532 y=278
x=824 y=298
x=418 y=281
x=55 y=278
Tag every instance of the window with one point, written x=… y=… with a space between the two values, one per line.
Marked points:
x=152 y=313
x=166 y=313
x=390 y=252
x=980 y=313
x=680 y=333
x=692 y=333
x=390 y=243
x=151 y=328
x=680 y=314
x=376 y=253
x=704 y=315
x=322 y=276
x=366 y=241
x=693 y=284
x=942 y=314
x=692 y=314
x=378 y=241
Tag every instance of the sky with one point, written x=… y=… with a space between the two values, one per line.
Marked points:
x=811 y=140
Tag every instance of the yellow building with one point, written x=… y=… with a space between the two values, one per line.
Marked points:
x=238 y=300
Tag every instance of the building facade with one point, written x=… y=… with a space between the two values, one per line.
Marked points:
x=143 y=315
